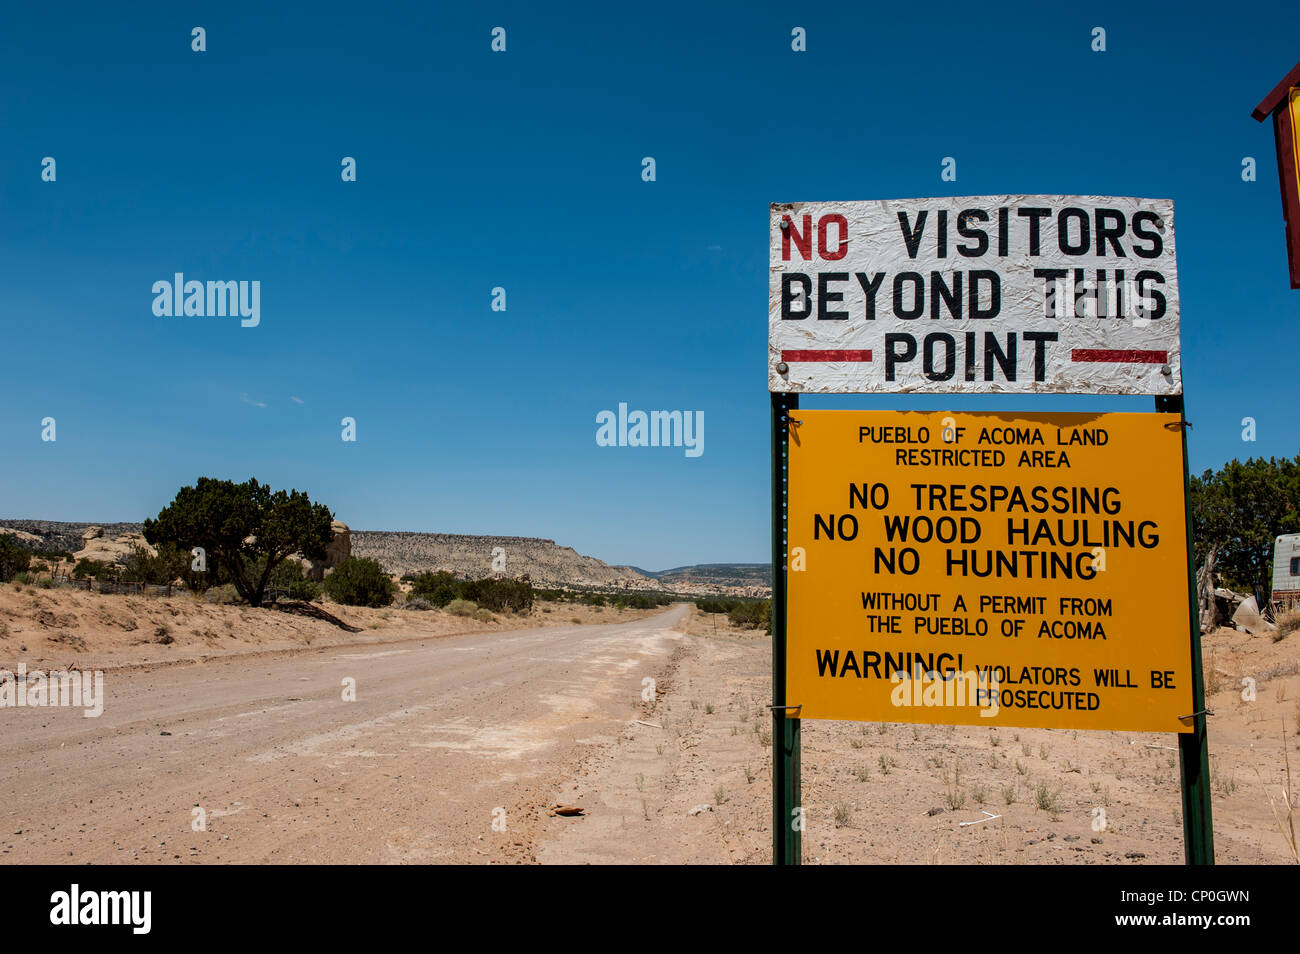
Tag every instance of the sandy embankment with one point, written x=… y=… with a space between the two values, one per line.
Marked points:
x=61 y=627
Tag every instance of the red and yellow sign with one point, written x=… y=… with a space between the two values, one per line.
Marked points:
x=989 y=569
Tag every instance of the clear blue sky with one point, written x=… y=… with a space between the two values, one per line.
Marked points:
x=523 y=170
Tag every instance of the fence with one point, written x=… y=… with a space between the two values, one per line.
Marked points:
x=92 y=585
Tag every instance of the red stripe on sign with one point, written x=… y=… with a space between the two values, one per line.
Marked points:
x=1120 y=357
x=788 y=356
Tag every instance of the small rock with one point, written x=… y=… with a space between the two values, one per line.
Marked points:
x=164 y=732
x=1071 y=837
x=935 y=811
x=1134 y=854
x=1096 y=841
x=700 y=810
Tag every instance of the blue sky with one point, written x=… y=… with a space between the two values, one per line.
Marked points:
x=523 y=170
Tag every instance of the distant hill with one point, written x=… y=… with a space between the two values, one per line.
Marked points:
x=545 y=561
x=61 y=535
x=714 y=574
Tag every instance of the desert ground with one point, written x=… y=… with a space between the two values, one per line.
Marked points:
x=232 y=744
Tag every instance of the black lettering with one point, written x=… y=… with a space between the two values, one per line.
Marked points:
x=910 y=238
x=1034 y=215
x=788 y=296
x=825 y=295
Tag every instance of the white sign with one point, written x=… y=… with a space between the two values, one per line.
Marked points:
x=984 y=294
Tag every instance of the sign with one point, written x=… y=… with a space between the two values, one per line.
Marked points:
x=989 y=569
x=1283 y=104
x=974 y=295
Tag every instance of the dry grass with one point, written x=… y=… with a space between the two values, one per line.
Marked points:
x=1285 y=822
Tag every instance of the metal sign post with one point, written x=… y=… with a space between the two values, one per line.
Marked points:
x=1194 y=746
x=787 y=812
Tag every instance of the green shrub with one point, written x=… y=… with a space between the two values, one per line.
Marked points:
x=500 y=595
x=223 y=595
x=484 y=615
x=24 y=577
x=99 y=569
x=290 y=578
x=438 y=589
x=169 y=563
x=13 y=558
x=461 y=608
x=755 y=614
x=360 y=581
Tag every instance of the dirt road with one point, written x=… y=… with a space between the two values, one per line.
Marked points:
x=264 y=760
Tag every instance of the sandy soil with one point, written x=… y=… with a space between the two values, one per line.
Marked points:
x=60 y=627
x=698 y=790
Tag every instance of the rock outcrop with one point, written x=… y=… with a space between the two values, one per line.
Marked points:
x=336 y=551
x=95 y=546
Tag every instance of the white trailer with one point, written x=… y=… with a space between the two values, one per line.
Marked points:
x=1286 y=569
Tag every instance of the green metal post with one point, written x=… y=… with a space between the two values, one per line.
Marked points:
x=787 y=815
x=1194 y=746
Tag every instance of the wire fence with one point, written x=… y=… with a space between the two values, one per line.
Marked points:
x=92 y=585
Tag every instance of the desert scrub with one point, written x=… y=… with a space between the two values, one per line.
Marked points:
x=360 y=581
x=461 y=608
x=484 y=615
x=419 y=603
x=1048 y=799
x=223 y=595
x=843 y=815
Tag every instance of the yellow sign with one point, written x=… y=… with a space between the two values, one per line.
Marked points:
x=989 y=569
x=1294 y=108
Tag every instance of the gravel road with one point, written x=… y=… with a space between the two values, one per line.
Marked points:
x=262 y=759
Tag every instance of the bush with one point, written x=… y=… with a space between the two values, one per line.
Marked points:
x=500 y=595
x=752 y=615
x=461 y=608
x=438 y=589
x=99 y=569
x=13 y=558
x=360 y=581
x=290 y=578
x=419 y=603
x=484 y=615
x=223 y=595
